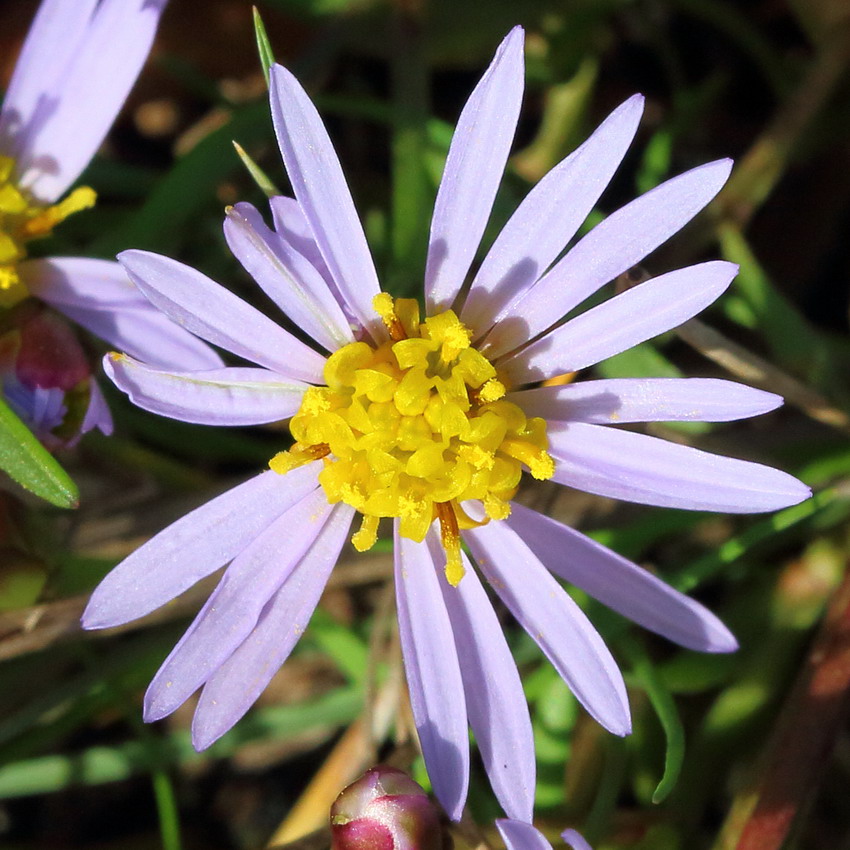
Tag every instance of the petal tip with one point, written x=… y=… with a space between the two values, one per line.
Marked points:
x=722 y=167
x=205 y=734
x=92 y=620
x=516 y=33
x=637 y=102
x=724 y=644
x=155 y=706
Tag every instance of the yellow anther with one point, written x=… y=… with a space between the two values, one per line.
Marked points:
x=415 y=427
x=492 y=390
x=496 y=508
x=477 y=457
x=542 y=467
x=365 y=538
x=284 y=462
x=384 y=306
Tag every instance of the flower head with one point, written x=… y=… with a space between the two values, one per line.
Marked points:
x=79 y=61
x=430 y=420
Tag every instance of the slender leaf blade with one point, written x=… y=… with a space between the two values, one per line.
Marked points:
x=26 y=461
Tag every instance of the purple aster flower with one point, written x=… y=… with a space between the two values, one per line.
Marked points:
x=79 y=61
x=431 y=422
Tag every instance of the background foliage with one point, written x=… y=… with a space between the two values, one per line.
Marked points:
x=747 y=751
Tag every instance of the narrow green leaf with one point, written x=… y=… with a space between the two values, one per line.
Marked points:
x=665 y=708
x=26 y=461
x=259 y=176
x=263 y=44
x=167 y=811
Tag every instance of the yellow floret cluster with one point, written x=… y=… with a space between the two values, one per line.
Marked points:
x=414 y=427
x=22 y=219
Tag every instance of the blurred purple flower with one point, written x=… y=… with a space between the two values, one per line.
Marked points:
x=77 y=65
x=412 y=425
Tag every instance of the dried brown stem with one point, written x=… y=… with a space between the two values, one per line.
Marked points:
x=802 y=740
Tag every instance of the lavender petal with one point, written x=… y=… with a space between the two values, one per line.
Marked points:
x=207 y=309
x=638 y=468
x=195 y=546
x=234 y=607
x=611 y=248
x=53 y=39
x=321 y=190
x=89 y=92
x=627 y=588
x=98 y=295
x=554 y=621
x=548 y=218
x=232 y=690
x=228 y=396
x=474 y=167
x=621 y=400
x=287 y=277
x=433 y=673
x=495 y=701
x=636 y=315
x=519 y=835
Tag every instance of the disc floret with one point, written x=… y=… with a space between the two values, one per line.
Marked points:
x=414 y=427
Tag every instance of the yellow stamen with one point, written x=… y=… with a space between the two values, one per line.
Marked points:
x=366 y=537
x=384 y=306
x=450 y=536
x=298 y=455
x=43 y=222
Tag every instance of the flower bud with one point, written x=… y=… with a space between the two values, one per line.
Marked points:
x=385 y=810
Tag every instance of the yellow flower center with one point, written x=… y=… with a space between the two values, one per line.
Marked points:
x=22 y=218
x=413 y=428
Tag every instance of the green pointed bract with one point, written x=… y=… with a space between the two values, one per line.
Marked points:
x=263 y=45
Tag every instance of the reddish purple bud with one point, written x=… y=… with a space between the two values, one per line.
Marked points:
x=385 y=810
x=50 y=356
